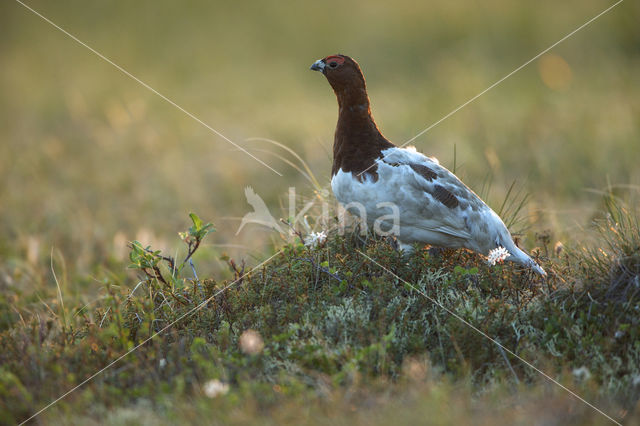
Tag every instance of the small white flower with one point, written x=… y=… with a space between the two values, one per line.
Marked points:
x=215 y=388
x=251 y=342
x=497 y=255
x=162 y=363
x=581 y=373
x=315 y=238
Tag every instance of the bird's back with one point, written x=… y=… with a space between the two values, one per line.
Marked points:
x=433 y=205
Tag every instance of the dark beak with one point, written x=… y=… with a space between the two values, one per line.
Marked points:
x=318 y=66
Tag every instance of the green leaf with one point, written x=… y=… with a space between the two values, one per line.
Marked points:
x=198 y=230
x=197 y=222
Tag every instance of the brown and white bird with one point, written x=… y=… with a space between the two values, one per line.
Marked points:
x=434 y=206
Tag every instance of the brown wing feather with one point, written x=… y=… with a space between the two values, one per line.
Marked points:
x=423 y=171
x=441 y=194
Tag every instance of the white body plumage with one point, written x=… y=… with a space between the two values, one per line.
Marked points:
x=433 y=205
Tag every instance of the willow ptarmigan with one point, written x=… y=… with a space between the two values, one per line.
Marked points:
x=434 y=206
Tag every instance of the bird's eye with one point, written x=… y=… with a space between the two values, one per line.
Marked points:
x=333 y=64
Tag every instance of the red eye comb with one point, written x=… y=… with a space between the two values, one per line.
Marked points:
x=338 y=59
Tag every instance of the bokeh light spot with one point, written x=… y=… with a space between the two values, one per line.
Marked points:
x=555 y=72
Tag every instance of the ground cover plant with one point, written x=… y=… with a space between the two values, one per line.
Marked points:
x=320 y=324
x=97 y=174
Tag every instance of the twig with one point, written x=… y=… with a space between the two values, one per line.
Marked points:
x=321 y=268
x=294 y=230
x=53 y=271
x=239 y=272
x=504 y=355
x=192 y=249
x=170 y=260
x=193 y=268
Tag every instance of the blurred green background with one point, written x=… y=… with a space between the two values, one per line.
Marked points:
x=90 y=159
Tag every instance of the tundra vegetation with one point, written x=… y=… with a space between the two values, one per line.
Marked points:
x=99 y=174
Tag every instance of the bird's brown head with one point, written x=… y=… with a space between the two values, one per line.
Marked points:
x=342 y=72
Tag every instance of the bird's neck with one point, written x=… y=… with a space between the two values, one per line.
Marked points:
x=353 y=97
x=358 y=141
